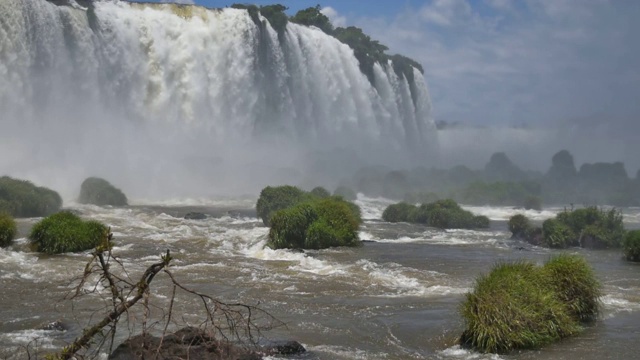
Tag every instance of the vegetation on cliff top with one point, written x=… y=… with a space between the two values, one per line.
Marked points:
x=100 y=192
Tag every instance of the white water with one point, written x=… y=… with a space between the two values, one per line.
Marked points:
x=161 y=98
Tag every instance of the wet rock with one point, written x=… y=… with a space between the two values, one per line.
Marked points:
x=54 y=326
x=195 y=216
x=283 y=347
x=188 y=343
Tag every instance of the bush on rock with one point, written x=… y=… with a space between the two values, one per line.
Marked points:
x=8 y=229
x=631 y=245
x=521 y=306
x=277 y=198
x=66 y=232
x=100 y=192
x=315 y=224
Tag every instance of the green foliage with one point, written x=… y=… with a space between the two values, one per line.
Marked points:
x=66 y=232
x=277 y=198
x=276 y=16
x=8 y=229
x=533 y=203
x=593 y=227
x=320 y=192
x=20 y=198
x=443 y=214
x=346 y=192
x=631 y=245
x=557 y=234
x=366 y=50
x=575 y=284
x=313 y=17
x=100 y=192
x=400 y=212
x=514 y=307
x=315 y=224
x=501 y=168
x=519 y=225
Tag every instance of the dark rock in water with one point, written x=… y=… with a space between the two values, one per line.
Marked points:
x=188 y=343
x=195 y=216
x=54 y=326
x=283 y=347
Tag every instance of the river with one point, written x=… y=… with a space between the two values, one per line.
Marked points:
x=396 y=297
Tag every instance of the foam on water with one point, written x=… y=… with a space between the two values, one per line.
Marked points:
x=614 y=305
x=506 y=212
x=372 y=208
x=457 y=352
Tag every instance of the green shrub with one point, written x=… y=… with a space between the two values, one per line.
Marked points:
x=574 y=282
x=443 y=214
x=631 y=245
x=447 y=214
x=313 y=16
x=320 y=192
x=276 y=16
x=277 y=198
x=20 y=198
x=100 y=192
x=592 y=227
x=513 y=307
x=400 y=212
x=557 y=234
x=8 y=229
x=519 y=226
x=314 y=224
x=533 y=203
x=346 y=192
x=66 y=232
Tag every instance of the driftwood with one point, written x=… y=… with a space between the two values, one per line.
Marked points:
x=230 y=321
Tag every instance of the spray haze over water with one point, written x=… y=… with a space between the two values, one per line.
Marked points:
x=171 y=100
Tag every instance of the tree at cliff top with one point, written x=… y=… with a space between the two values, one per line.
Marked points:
x=313 y=17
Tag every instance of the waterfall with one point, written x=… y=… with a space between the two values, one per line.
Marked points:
x=162 y=94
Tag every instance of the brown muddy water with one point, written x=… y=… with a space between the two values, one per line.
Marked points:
x=396 y=297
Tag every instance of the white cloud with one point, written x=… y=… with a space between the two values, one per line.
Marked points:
x=336 y=19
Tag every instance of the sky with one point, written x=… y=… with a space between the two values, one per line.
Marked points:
x=506 y=62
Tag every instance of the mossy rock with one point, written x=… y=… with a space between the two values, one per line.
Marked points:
x=97 y=191
x=21 y=198
x=8 y=229
x=315 y=224
x=66 y=232
x=443 y=214
x=592 y=227
x=277 y=198
x=631 y=245
x=523 y=306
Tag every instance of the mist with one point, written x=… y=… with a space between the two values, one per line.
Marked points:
x=171 y=101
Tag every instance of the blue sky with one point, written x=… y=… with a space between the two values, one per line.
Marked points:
x=510 y=62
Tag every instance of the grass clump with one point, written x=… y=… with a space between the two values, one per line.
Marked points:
x=100 y=192
x=443 y=214
x=592 y=227
x=557 y=234
x=66 y=232
x=400 y=212
x=523 y=306
x=631 y=245
x=315 y=224
x=8 y=229
x=21 y=198
x=277 y=198
x=519 y=225
x=576 y=285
